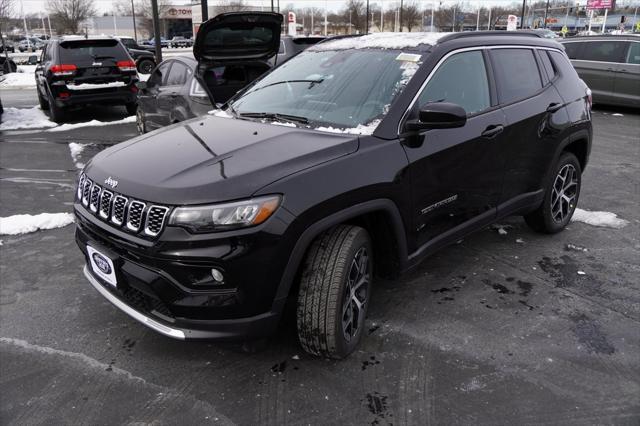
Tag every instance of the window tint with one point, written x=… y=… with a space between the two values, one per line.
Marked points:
x=546 y=63
x=604 y=51
x=462 y=80
x=88 y=50
x=562 y=64
x=177 y=75
x=517 y=75
x=634 y=54
x=573 y=50
x=157 y=76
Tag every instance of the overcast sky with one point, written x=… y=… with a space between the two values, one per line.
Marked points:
x=35 y=6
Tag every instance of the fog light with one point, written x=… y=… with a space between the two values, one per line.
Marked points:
x=217 y=275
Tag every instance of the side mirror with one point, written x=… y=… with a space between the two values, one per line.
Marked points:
x=141 y=85
x=438 y=115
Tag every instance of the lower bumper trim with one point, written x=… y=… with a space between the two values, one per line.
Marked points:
x=160 y=328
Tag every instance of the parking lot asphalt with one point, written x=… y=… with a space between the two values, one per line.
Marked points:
x=497 y=329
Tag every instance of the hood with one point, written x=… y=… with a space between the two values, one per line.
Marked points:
x=213 y=159
x=239 y=35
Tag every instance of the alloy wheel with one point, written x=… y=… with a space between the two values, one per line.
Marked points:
x=564 y=191
x=356 y=294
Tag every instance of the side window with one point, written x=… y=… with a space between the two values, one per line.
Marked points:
x=573 y=49
x=156 y=78
x=604 y=51
x=634 y=53
x=177 y=75
x=517 y=75
x=461 y=79
x=546 y=63
x=562 y=64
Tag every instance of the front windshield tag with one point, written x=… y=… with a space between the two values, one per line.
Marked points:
x=408 y=57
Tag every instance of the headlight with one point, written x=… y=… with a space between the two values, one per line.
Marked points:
x=222 y=217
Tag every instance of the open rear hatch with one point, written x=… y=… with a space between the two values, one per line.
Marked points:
x=233 y=49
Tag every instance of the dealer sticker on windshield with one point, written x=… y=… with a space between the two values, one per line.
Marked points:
x=408 y=57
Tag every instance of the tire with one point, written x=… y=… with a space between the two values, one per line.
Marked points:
x=132 y=108
x=44 y=104
x=56 y=113
x=140 y=124
x=560 y=197
x=145 y=66
x=330 y=317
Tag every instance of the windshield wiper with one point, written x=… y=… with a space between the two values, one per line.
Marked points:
x=275 y=116
x=312 y=83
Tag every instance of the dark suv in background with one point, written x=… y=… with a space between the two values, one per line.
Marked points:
x=319 y=177
x=77 y=71
x=610 y=65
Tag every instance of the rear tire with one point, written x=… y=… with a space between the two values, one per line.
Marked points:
x=44 y=104
x=56 y=113
x=145 y=66
x=334 y=292
x=560 y=198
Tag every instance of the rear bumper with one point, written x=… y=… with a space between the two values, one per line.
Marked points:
x=234 y=329
x=117 y=96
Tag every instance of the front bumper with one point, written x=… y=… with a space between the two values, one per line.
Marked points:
x=253 y=327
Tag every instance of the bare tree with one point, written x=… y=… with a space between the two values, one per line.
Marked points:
x=356 y=13
x=69 y=14
x=225 y=6
x=411 y=15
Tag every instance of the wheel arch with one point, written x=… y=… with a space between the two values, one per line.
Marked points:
x=380 y=217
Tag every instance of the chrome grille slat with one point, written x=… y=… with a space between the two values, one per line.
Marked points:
x=105 y=204
x=94 y=200
x=155 y=220
x=134 y=215
x=119 y=205
x=120 y=211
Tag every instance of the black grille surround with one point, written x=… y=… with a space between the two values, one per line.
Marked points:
x=119 y=211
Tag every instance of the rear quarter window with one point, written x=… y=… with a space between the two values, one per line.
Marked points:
x=517 y=74
x=82 y=50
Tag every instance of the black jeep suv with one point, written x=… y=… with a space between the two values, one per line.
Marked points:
x=77 y=71
x=359 y=157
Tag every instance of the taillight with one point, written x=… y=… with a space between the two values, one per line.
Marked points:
x=126 y=65
x=63 y=69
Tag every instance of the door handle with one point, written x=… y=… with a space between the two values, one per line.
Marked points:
x=492 y=131
x=553 y=107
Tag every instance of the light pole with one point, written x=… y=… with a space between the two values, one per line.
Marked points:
x=524 y=5
x=133 y=12
x=401 y=7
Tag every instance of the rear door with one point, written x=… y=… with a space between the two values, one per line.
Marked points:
x=171 y=103
x=534 y=113
x=627 y=83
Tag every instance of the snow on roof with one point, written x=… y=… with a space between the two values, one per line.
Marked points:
x=380 y=41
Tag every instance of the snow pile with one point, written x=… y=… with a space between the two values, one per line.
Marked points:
x=69 y=126
x=25 y=118
x=361 y=129
x=25 y=223
x=143 y=77
x=90 y=86
x=281 y=123
x=76 y=149
x=603 y=219
x=617 y=114
x=220 y=113
x=27 y=69
x=18 y=79
x=380 y=40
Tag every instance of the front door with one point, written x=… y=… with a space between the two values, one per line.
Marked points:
x=456 y=173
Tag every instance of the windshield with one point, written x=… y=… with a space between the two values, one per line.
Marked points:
x=329 y=89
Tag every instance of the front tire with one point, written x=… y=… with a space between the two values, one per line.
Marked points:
x=334 y=294
x=561 y=197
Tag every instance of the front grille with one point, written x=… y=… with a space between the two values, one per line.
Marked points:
x=120 y=211
x=134 y=216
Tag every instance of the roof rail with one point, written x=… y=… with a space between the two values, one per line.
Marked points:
x=465 y=34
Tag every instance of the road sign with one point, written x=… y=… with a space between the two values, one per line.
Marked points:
x=600 y=4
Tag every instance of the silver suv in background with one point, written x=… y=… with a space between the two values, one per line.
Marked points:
x=610 y=65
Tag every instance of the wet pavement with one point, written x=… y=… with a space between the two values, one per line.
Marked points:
x=497 y=329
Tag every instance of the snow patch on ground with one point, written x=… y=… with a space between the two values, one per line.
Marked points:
x=25 y=223
x=69 y=126
x=281 y=123
x=76 y=149
x=25 y=118
x=18 y=79
x=143 y=77
x=602 y=219
x=617 y=114
x=381 y=41
x=90 y=86
x=502 y=229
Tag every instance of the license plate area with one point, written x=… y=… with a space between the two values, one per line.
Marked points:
x=102 y=266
